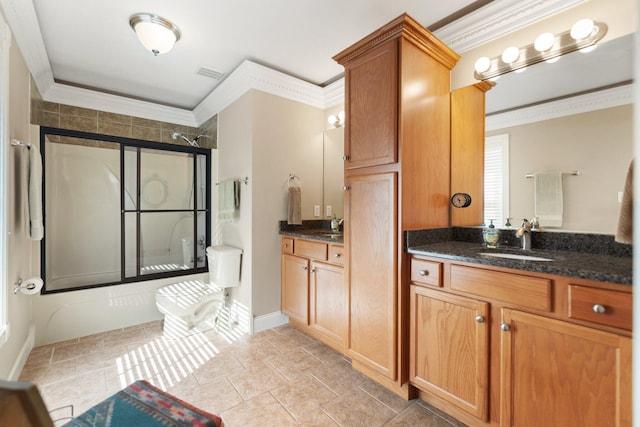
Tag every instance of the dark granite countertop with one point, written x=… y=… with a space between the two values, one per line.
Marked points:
x=313 y=229
x=590 y=263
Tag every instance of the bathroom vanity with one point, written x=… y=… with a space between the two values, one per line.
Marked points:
x=499 y=341
x=313 y=289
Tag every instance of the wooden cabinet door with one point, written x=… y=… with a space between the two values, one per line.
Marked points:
x=295 y=288
x=371 y=101
x=371 y=242
x=449 y=344
x=555 y=373
x=328 y=302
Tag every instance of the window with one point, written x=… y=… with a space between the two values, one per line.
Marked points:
x=121 y=210
x=496 y=178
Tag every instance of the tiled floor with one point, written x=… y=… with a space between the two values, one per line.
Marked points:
x=277 y=377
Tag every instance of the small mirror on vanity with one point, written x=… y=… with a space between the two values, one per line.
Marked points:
x=333 y=172
x=572 y=115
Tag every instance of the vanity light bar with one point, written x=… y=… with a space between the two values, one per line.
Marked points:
x=563 y=43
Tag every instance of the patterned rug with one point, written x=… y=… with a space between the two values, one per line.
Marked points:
x=141 y=404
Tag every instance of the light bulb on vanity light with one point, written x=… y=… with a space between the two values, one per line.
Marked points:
x=510 y=55
x=482 y=65
x=582 y=29
x=336 y=121
x=544 y=42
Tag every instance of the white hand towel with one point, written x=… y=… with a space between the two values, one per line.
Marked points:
x=227 y=199
x=36 y=227
x=547 y=188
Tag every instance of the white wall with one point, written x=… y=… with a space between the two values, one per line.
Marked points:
x=266 y=138
x=598 y=144
x=21 y=250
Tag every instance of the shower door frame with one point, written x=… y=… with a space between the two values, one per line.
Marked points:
x=140 y=145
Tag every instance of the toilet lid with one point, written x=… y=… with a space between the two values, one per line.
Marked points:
x=188 y=288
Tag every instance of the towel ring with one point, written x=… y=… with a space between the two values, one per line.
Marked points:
x=297 y=182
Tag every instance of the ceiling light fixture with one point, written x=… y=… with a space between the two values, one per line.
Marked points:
x=547 y=47
x=156 y=34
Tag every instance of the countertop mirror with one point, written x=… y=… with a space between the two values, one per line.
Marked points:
x=593 y=134
x=333 y=172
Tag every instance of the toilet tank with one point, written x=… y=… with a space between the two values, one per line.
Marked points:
x=224 y=265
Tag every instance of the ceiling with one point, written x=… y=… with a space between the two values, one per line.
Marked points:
x=298 y=37
x=100 y=51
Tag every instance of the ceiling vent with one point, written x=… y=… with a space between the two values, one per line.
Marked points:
x=207 y=72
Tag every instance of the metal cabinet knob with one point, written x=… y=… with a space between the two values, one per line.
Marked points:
x=600 y=309
x=285 y=246
x=337 y=255
x=313 y=270
x=345 y=157
x=504 y=327
x=304 y=268
x=479 y=319
x=346 y=187
x=423 y=273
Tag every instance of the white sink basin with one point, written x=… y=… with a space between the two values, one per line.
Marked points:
x=516 y=256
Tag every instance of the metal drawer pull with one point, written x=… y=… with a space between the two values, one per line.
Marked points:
x=423 y=273
x=600 y=309
x=479 y=319
x=504 y=327
x=285 y=246
x=345 y=157
x=346 y=188
x=313 y=270
x=304 y=268
x=337 y=255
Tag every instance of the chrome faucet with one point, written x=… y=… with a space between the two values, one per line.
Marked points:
x=524 y=233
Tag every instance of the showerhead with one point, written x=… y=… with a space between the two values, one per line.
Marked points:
x=194 y=143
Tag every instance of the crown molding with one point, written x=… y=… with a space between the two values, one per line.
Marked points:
x=86 y=98
x=608 y=98
x=250 y=75
x=481 y=26
x=22 y=19
x=497 y=19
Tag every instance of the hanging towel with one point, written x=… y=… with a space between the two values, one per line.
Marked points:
x=228 y=199
x=34 y=211
x=295 y=207
x=547 y=188
x=624 y=233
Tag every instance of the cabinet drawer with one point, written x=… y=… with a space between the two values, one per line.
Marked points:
x=601 y=306
x=336 y=254
x=287 y=245
x=426 y=272
x=315 y=250
x=524 y=291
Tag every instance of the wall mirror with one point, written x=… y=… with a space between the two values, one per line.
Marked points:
x=333 y=172
x=120 y=210
x=592 y=137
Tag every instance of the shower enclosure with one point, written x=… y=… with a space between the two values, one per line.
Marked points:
x=121 y=210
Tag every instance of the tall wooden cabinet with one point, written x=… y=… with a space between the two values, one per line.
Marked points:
x=397 y=168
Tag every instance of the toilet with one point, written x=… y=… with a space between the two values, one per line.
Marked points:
x=193 y=305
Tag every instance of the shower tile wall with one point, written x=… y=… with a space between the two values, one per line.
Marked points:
x=63 y=116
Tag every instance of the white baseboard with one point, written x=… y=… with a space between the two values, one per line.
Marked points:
x=268 y=321
x=22 y=357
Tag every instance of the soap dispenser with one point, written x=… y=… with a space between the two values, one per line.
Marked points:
x=491 y=235
x=335 y=225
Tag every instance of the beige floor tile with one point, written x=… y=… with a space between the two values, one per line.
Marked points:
x=256 y=380
x=40 y=356
x=78 y=387
x=260 y=411
x=323 y=353
x=41 y=375
x=303 y=397
x=217 y=367
x=387 y=397
x=217 y=396
x=338 y=376
x=417 y=415
x=291 y=341
x=358 y=408
x=317 y=419
x=295 y=364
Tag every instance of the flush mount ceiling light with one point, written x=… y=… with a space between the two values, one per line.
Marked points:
x=156 y=34
x=547 y=47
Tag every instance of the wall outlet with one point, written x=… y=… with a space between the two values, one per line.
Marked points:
x=328 y=211
x=619 y=196
x=316 y=211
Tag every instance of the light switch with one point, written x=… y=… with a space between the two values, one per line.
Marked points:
x=328 y=211
x=316 y=210
x=619 y=196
